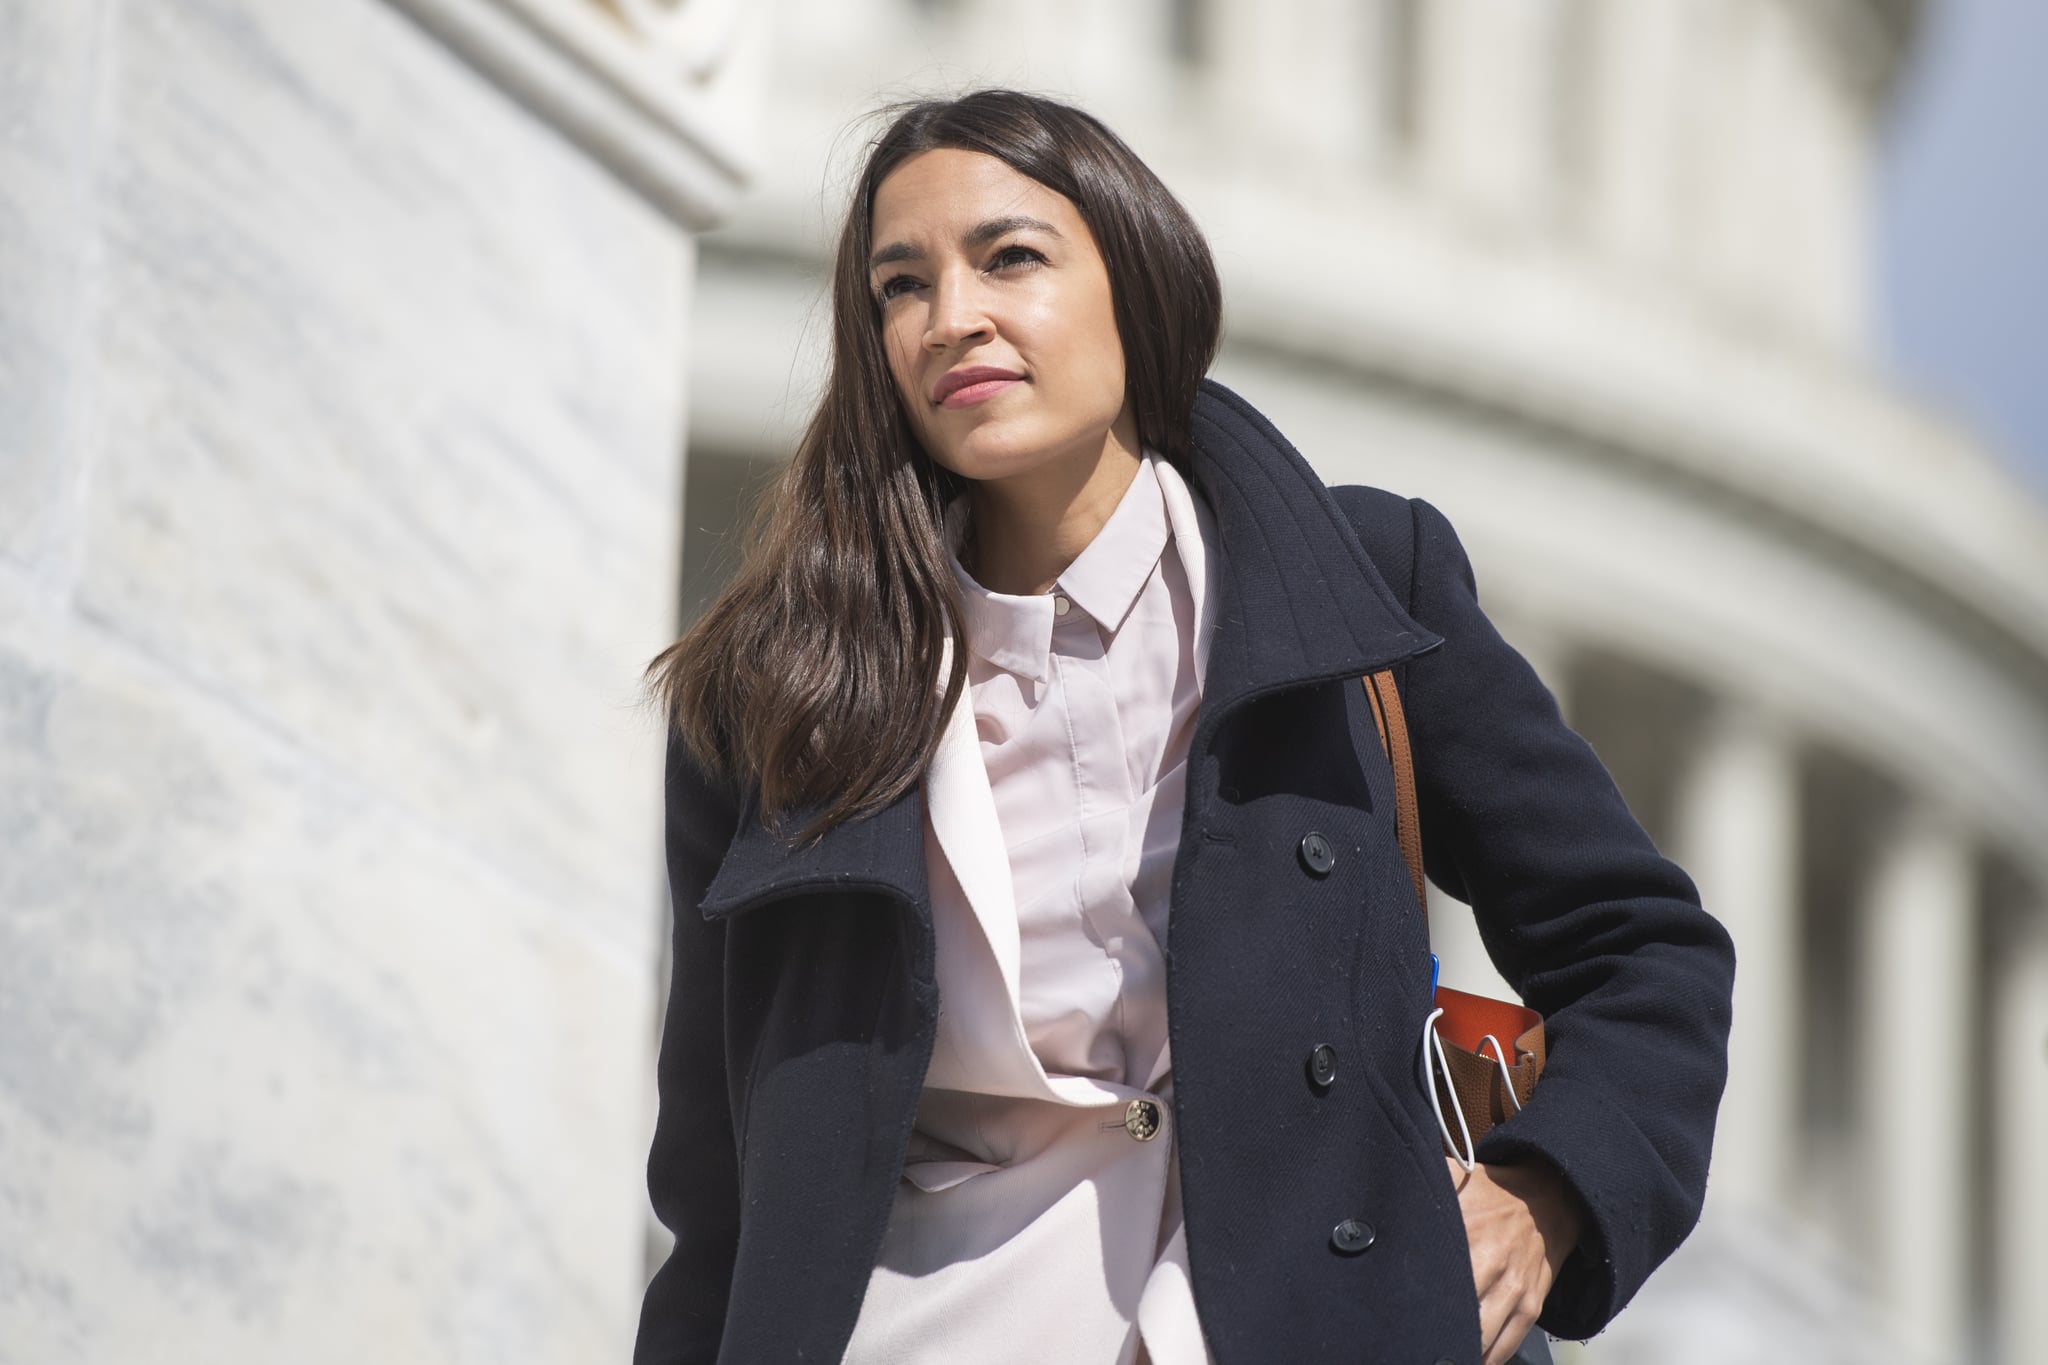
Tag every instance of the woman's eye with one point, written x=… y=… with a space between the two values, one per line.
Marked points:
x=1015 y=255
x=889 y=290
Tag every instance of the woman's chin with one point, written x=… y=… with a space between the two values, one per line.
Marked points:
x=993 y=453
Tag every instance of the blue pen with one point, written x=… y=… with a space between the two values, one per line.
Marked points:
x=1432 y=974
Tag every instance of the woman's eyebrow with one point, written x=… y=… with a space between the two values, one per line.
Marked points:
x=987 y=231
x=979 y=235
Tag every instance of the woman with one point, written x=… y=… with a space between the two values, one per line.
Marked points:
x=1047 y=980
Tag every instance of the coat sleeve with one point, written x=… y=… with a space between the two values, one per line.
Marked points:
x=1585 y=920
x=692 y=1169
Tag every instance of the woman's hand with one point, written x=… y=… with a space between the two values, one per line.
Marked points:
x=1521 y=1222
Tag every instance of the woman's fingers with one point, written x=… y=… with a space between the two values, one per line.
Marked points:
x=1506 y=1313
x=1504 y=1338
x=1513 y=1262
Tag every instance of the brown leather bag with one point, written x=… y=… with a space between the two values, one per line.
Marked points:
x=1489 y=1051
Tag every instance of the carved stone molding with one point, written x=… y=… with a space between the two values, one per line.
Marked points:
x=660 y=92
x=697 y=36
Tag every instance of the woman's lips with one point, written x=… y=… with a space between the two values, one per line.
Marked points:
x=967 y=395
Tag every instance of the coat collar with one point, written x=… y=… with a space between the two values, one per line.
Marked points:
x=1297 y=600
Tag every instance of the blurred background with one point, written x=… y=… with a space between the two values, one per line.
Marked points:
x=380 y=380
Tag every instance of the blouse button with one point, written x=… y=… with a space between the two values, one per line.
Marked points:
x=1060 y=604
x=1141 y=1120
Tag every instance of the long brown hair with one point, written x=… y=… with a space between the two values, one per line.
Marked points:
x=809 y=682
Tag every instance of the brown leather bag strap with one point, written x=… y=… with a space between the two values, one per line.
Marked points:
x=1385 y=700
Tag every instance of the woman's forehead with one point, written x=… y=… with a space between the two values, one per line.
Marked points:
x=949 y=192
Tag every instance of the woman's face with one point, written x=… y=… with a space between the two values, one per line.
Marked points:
x=986 y=276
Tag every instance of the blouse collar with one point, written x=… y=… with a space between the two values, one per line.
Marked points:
x=1015 y=632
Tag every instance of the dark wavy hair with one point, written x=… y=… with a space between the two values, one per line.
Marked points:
x=811 y=681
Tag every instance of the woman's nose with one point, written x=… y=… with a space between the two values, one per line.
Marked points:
x=957 y=315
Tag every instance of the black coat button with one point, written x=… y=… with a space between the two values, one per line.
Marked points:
x=1351 y=1236
x=1322 y=1064
x=1316 y=854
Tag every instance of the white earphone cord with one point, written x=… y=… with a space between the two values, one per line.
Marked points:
x=1433 y=1044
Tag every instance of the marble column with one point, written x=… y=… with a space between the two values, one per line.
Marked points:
x=1302 y=106
x=1489 y=103
x=1735 y=822
x=1630 y=112
x=2019 y=1210
x=1919 y=920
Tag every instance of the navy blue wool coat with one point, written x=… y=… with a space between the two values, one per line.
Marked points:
x=802 y=1011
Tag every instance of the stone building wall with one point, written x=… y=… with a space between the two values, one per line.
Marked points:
x=341 y=437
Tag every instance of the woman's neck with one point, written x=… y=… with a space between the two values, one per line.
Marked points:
x=1024 y=532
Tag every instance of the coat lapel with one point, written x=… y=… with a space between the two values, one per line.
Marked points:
x=962 y=810
x=981 y=1043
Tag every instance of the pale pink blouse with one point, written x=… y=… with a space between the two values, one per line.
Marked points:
x=1039 y=1217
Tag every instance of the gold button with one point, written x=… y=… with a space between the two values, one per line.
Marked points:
x=1141 y=1120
